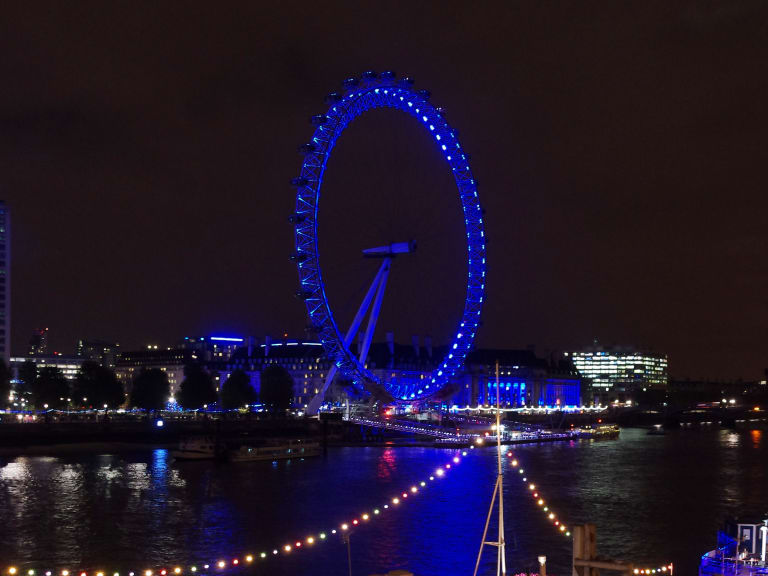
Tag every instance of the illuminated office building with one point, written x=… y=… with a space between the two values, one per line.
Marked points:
x=103 y=352
x=5 y=283
x=170 y=360
x=68 y=365
x=619 y=372
x=38 y=343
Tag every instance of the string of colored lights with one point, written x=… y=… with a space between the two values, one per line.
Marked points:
x=663 y=570
x=538 y=498
x=552 y=517
x=246 y=559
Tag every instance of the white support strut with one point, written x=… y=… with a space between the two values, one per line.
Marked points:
x=376 y=288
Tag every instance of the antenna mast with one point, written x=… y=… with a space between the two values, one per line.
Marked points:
x=501 y=563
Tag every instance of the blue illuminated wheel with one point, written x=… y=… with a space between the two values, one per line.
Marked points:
x=360 y=95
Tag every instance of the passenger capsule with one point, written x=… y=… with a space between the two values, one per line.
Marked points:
x=318 y=119
x=307 y=148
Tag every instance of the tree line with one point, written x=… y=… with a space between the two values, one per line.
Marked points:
x=97 y=387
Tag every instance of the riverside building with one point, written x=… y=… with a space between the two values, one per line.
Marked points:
x=525 y=381
x=103 y=352
x=68 y=365
x=617 y=373
x=170 y=360
x=5 y=283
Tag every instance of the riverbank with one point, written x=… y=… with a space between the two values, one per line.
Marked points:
x=40 y=439
x=139 y=433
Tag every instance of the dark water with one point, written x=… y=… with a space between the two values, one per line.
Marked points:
x=655 y=499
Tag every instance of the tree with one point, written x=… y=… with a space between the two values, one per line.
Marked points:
x=51 y=388
x=27 y=377
x=276 y=391
x=99 y=385
x=237 y=391
x=197 y=389
x=5 y=383
x=150 y=389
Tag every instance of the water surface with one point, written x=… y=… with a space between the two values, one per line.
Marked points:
x=654 y=499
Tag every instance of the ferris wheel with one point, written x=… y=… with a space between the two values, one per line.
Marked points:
x=359 y=95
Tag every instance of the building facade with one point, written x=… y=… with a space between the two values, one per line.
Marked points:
x=170 y=360
x=69 y=365
x=38 y=343
x=305 y=361
x=525 y=381
x=5 y=283
x=214 y=348
x=101 y=351
x=617 y=373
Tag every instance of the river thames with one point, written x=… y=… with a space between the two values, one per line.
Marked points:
x=654 y=499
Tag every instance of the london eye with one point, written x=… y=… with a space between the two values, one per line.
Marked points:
x=360 y=95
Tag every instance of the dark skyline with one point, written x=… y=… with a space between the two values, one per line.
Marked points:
x=146 y=153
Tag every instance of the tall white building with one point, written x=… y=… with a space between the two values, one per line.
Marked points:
x=620 y=370
x=5 y=283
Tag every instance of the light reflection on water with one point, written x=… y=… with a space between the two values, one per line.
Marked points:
x=654 y=499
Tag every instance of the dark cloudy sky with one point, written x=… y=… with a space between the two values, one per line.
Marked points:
x=146 y=149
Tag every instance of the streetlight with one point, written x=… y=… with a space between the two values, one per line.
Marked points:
x=542 y=565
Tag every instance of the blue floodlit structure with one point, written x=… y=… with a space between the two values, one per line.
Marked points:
x=359 y=96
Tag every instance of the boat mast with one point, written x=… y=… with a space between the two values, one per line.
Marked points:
x=501 y=562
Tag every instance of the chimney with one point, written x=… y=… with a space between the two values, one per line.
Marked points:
x=428 y=346
x=415 y=344
x=267 y=344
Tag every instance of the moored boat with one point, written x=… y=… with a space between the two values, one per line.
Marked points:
x=197 y=448
x=741 y=551
x=287 y=451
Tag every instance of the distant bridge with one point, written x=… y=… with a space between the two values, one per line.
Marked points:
x=508 y=437
x=413 y=428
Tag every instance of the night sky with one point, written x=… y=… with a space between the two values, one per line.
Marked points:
x=146 y=151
